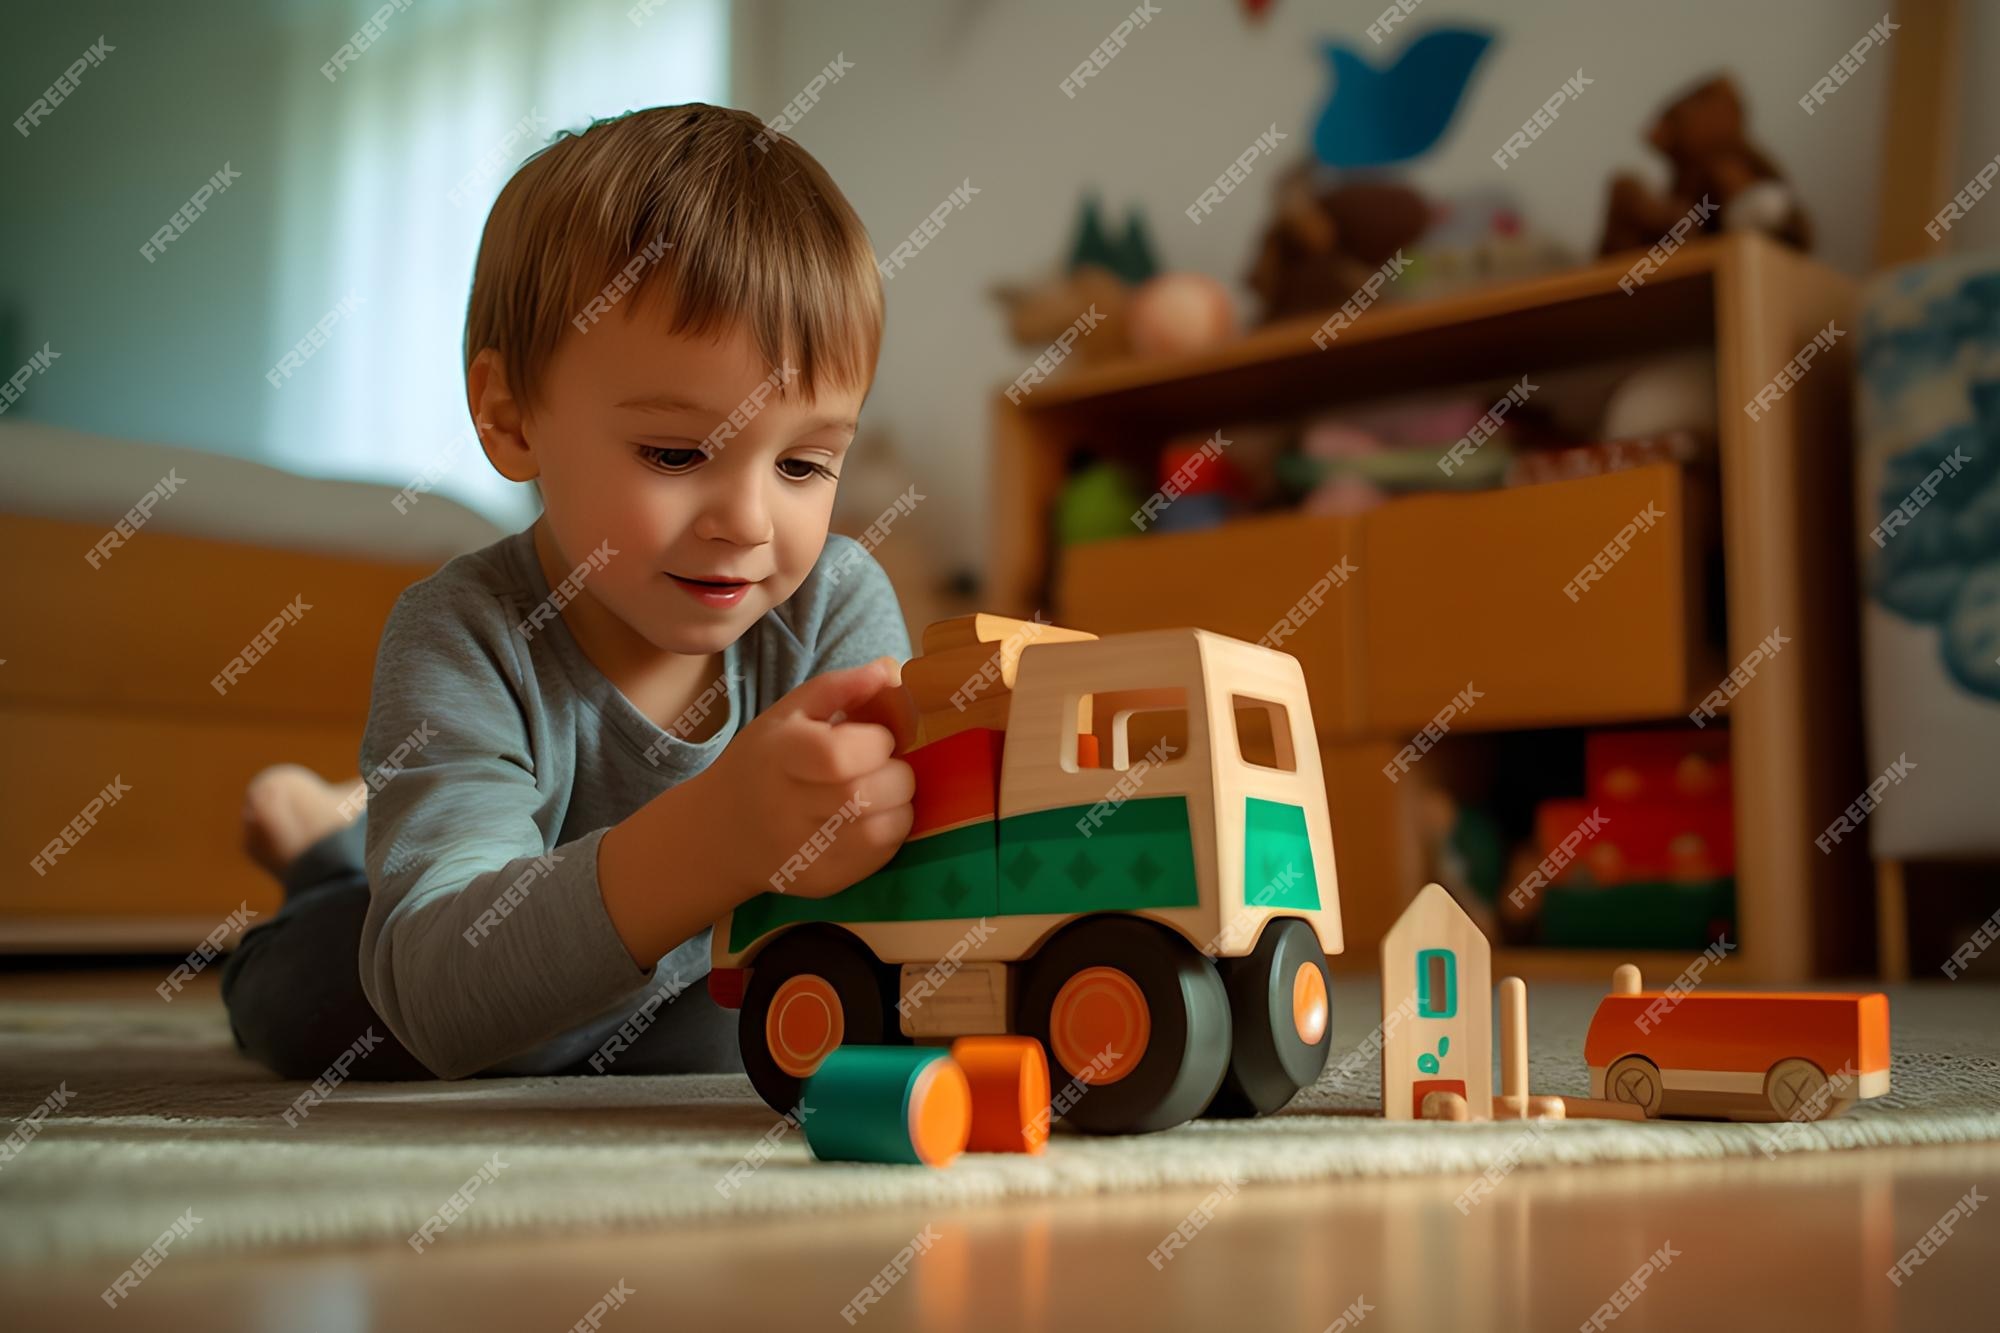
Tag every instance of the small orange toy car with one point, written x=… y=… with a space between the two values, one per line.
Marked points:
x=1718 y=1055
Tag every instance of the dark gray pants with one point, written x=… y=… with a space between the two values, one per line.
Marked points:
x=293 y=988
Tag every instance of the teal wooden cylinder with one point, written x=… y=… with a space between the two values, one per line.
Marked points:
x=909 y=1104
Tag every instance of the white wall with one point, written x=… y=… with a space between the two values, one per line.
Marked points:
x=943 y=92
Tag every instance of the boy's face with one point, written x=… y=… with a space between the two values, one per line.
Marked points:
x=706 y=540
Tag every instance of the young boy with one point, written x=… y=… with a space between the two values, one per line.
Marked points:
x=590 y=740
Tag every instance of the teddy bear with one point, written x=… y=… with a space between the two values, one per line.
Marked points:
x=1326 y=239
x=1718 y=174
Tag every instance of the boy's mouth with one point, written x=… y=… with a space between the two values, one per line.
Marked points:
x=714 y=592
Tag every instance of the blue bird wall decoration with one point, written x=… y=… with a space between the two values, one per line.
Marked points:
x=1377 y=117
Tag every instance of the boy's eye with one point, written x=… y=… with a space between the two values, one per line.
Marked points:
x=670 y=460
x=804 y=469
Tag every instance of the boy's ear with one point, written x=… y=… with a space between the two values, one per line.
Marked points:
x=497 y=416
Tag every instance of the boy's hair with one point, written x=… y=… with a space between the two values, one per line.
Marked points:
x=759 y=237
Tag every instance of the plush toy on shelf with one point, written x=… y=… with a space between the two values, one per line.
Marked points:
x=1089 y=290
x=1326 y=238
x=1113 y=302
x=1177 y=313
x=1719 y=177
x=1336 y=220
x=1040 y=312
x=1198 y=486
x=1474 y=237
x=1096 y=503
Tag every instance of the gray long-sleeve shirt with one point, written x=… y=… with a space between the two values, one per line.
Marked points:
x=496 y=758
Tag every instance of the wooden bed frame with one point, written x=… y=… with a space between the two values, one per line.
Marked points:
x=107 y=675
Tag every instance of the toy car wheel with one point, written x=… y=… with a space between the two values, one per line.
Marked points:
x=1281 y=1020
x=1798 y=1090
x=811 y=990
x=1635 y=1080
x=1136 y=1016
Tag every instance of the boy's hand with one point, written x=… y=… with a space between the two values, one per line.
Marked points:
x=822 y=799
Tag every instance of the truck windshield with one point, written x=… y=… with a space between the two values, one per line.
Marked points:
x=1135 y=726
x=1264 y=733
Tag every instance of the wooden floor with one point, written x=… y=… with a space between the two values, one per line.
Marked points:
x=1796 y=1244
x=1800 y=1243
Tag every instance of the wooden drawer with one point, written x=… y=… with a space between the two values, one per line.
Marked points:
x=1499 y=590
x=1241 y=579
x=1446 y=591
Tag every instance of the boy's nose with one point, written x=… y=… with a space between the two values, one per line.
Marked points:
x=736 y=514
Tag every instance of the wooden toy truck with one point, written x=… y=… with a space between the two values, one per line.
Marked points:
x=1121 y=848
x=1738 y=1055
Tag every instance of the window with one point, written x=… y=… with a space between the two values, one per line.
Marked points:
x=1132 y=727
x=384 y=184
x=1437 y=983
x=1264 y=733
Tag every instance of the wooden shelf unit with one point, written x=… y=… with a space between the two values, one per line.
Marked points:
x=1397 y=632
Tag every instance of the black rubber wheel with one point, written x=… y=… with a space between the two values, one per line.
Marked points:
x=828 y=972
x=1269 y=1002
x=1169 y=1075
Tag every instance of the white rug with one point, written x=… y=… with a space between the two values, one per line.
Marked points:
x=165 y=1119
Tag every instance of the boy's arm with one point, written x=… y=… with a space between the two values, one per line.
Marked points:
x=480 y=943
x=847 y=611
x=813 y=774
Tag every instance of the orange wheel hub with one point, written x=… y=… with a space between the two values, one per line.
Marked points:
x=804 y=1024
x=1099 y=1025
x=1309 y=1007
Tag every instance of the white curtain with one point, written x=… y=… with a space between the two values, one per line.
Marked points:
x=391 y=166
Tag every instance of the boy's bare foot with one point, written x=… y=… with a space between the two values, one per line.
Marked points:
x=288 y=807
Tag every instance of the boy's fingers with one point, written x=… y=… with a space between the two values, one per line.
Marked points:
x=891 y=707
x=891 y=785
x=888 y=788
x=885 y=833
x=827 y=698
x=839 y=754
x=859 y=852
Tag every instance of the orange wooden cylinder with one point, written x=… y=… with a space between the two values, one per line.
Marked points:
x=1009 y=1077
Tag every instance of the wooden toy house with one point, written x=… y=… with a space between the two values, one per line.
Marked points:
x=1437 y=1009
